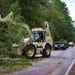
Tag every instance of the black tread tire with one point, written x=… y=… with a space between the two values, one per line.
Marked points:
x=44 y=51
x=55 y=49
x=64 y=48
x=26 y=51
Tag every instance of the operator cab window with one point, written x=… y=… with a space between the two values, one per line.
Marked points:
x=38 y=36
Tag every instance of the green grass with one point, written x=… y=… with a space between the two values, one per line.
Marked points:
x=11 y=65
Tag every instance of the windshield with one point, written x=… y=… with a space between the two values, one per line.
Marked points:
x=38 y=36
x=35 y=36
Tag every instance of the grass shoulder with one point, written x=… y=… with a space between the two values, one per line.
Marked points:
x=16 y=63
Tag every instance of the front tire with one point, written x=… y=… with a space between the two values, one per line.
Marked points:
x=47 y=51
x=55 y=49
x=30 y=52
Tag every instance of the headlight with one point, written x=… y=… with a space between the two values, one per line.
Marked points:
x=55 y=46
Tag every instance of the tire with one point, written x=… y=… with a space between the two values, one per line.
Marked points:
x=47 y=51
x=64 y=48
x=30 y=52
x=55 y=49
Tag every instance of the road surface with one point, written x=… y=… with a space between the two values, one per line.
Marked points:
x=57 y=64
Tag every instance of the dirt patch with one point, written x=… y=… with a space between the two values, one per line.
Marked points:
x=60 y=63
x=37 y=59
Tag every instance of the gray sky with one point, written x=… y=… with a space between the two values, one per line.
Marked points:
x=71 y=7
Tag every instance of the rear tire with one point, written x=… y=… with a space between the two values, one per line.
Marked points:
x=64 y=48
x=47 y=51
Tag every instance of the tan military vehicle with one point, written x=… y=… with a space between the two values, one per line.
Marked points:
x=38 y=40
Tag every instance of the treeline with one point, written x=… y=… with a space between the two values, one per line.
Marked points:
x=34 y=13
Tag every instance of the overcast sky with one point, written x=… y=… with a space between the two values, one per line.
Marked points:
x=71 y=7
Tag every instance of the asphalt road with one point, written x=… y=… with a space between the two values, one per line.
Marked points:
x=57 y=64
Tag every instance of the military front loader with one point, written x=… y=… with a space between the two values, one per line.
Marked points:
x=38 y=41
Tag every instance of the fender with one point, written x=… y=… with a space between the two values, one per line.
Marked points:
x=29 y=45
x=45 y=45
